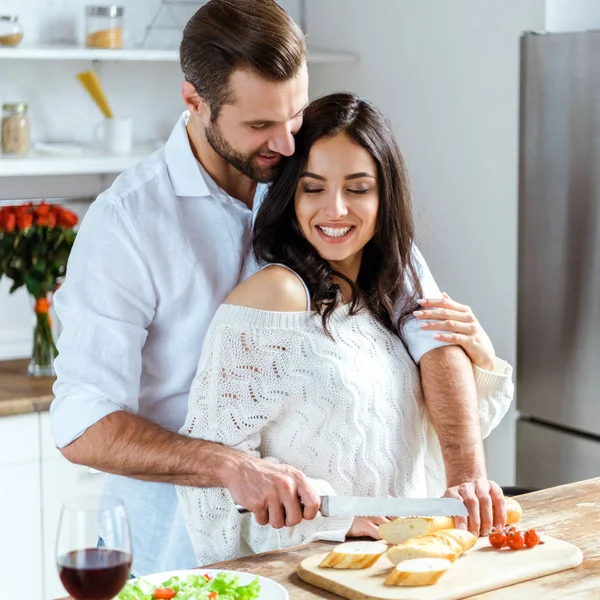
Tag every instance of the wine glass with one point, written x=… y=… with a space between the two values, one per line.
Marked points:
x=93 y=547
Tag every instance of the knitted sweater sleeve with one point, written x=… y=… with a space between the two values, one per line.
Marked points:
x=495 y=391
x=237 y=392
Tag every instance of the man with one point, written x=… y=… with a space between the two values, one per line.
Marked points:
x=156 y=255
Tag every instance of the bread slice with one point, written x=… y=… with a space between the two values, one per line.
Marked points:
x=400 y=530
x=417 y=572
x=422 y=548
x=446 y=543
x=354 y=555
x=464 y=539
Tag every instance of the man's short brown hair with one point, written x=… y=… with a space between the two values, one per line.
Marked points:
x=226 y=35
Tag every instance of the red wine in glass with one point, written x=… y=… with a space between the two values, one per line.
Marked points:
x=94 y=573
x=93 y=548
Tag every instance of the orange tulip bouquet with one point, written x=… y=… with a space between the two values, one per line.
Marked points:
x=35 y=242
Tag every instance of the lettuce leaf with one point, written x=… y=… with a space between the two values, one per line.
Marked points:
x=195 y=587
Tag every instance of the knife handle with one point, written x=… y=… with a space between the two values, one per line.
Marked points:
x=244 y=511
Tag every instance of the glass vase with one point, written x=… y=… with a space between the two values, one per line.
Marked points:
x=44 y=349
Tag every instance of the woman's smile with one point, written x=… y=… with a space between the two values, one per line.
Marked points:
x=335 y=233
x=337 y=201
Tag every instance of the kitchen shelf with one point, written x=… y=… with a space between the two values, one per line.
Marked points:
x=89 y=162
x=141 y=54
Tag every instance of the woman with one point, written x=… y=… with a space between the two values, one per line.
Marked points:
x=304 y=363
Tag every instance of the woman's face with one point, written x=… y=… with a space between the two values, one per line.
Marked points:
x=337 y=201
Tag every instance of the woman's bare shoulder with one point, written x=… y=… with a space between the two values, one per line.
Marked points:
x=273 y=288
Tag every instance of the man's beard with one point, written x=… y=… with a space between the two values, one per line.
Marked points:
x=242 y=162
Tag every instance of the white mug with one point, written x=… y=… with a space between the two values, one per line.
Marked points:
x=116 y=134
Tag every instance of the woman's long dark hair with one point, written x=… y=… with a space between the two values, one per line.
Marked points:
x=388 y=283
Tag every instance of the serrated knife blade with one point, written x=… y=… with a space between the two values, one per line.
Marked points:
x=356 y=506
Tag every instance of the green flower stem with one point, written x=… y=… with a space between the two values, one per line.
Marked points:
x=44 y=348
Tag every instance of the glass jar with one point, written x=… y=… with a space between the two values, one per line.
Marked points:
x=104 y=27
x=14 y=129
x=11 y=31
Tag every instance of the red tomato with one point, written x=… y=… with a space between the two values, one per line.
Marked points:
x=213 y=595
x=497 y=539
x=207 y=577
x=516 y=540
x=164 y=593
x=532 y=538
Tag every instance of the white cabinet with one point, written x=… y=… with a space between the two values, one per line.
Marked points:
x=20 y=515
x=60 y=480
x=35 y=479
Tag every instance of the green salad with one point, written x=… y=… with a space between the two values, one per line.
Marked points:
x=223 y=586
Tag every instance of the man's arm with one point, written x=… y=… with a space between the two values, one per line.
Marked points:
x=451 y=399
x=449 y=388
x=126 y=444
x=106 y=305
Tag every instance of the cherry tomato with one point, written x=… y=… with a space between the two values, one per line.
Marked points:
x=213 y=595
x=497 y=539
x=207 y=577
x=515 y=540
x=164 y=593
x=532 y=538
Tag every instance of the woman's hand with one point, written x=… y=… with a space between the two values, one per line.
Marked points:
x=461 y=326
x=366 y=527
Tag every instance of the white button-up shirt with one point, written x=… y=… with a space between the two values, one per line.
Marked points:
x=155 y=256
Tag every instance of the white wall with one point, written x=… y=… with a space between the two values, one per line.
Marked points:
x=447 y=75
x=572 y=15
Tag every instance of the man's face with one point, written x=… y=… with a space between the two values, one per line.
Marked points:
x=257 y=128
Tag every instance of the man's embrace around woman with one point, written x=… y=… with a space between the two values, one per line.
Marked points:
x=328 y=364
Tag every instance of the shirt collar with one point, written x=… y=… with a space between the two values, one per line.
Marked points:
x=186 y=177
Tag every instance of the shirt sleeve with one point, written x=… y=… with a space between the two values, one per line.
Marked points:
x=420 y=341
x=495 y=391
x=234 y=397
x=105 y=306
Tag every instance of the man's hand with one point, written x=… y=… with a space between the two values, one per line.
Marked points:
x=277 y=494
x=366 y=527
x=128 y=445
x=459 y=326
x=484 y=501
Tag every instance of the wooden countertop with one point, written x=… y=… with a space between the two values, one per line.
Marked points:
x=570 y=512
x=20 y=394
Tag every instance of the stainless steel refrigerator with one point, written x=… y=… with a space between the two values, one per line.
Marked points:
x=558 y=347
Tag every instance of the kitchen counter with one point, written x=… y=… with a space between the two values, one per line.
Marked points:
x=570 y=512
x=20 y=394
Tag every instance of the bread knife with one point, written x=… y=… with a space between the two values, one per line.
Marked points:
x=356 y=506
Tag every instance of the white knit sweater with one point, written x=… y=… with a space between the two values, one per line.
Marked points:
x=347 y=412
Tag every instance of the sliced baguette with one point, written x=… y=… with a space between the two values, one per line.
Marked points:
x=400 y=530
x=354 y=555
x=446 y=543
x=417 y=572
x=418 y=548
x=464 y=539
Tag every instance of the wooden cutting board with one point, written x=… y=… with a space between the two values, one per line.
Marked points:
x=479 y=570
